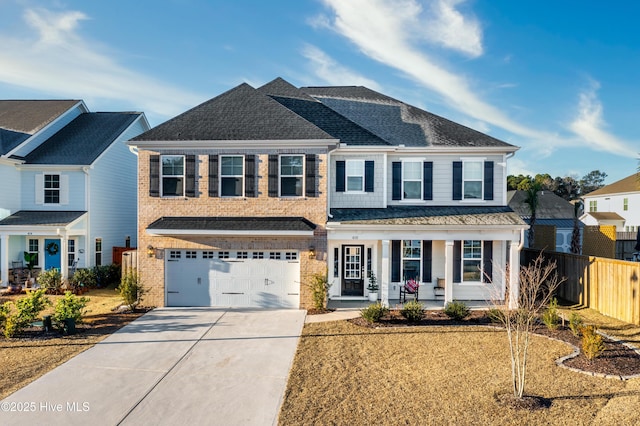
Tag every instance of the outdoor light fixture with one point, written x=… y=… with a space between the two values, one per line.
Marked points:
x=151 y=251
x=312 y=252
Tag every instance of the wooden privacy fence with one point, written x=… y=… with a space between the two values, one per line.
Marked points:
x=129 y=262
x=610 y=286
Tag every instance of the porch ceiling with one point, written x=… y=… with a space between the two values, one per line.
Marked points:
x=429 y=215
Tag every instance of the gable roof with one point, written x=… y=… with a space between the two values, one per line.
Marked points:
x=550 y=205
x=83 y=140
x=628 y=184
x=397 y=122
x=240 y=114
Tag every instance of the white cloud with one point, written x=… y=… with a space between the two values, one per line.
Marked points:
x=333 y=73
x=59 y=62
x=589 y=125
x=451 y=29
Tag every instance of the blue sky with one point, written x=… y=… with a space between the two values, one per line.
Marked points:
x=557 y=78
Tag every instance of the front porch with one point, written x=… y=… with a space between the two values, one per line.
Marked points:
x=430 y=305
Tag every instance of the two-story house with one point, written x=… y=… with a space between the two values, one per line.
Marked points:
x=615 y=204
x=69 y=183
x=245 y=196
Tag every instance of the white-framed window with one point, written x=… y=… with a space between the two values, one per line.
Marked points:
x=355 y=175
x=71 y=252
x=472 y=180
x=411 y=257
x=291 y=175
x=52 y=189
x=411 y=180
x=231 y=175
x=172 y=175
x=625 y=204
x=593 y=205
x=472 y=261
x=98 y=251
x=34 y=248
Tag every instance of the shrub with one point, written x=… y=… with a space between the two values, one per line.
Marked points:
x=496 y=316
x=83 y=278
x=412 y=311
x=374 y=312
x=550 y=316
x=51 y=281
x=130 y=289
x=592 y=342
x=575 y=323
x=5 y=308
x=24 y=311
x=319 y=287
x=70 y=306
x=457 y=310
x=106 y=275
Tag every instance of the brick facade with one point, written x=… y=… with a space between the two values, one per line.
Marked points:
x=152 y=270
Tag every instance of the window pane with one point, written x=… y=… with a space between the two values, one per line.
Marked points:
x=231 y=166
x=354 y=183
x=411 y=270
x=473 y=170
x=172 y=186
x=231 y=187
x=355 y=168
x=291 y=165
x=412 y=190
x=473 y=190
x=472 y=249
x=291 y=187
x=52 y=181
x=172 y=165
x=471 y=270
x=411 y=249
x=412 y=170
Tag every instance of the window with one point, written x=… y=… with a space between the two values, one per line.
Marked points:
x=291 y=175
x=291 y=255
x=71 y=252
x=355 y=175
x=472 y=180
x=223 y=255
x=33 y=249
x=172 y=175
x=207 y=254
x=175 y=254
x=274 y=255
x=242 y=255
x=231 y=175
x=412 y=180
x=190 y=254
x=257 y=255
x=625 y=204
x=472 y=261
x=411 y=260
x=52 y=189
x=593 y=206
x=98 y=251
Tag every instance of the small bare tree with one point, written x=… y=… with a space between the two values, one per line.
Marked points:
x=538 y=283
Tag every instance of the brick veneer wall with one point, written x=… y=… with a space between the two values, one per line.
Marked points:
x=151 y=270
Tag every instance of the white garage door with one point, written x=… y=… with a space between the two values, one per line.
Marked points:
x=257 y=279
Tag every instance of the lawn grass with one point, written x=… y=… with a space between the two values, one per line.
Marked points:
x=345 y=374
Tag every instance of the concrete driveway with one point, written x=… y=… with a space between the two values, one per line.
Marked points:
x=196 y=366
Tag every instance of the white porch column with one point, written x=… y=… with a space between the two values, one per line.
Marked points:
x=448 y=271
x=4 y=259
x=384 y=274
x=64 y=257
x=514 y=274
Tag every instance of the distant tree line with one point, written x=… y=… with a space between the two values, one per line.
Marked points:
x=568 y=187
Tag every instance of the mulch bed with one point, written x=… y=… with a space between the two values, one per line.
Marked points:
x=616 y=360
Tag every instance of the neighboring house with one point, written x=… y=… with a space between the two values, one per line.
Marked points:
x=246 y=196
x=615 y=204
x=553 y=211
x=69 y=183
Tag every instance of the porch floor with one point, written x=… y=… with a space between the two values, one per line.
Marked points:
x=432 y=305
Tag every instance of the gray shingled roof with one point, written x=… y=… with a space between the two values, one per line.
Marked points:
x=30 y=116
x=41 y=218
x=233 y=224
x=83 y=140
x=10 y=139
x=399 y=123
x=241 y=114
x=322 y=116
x=429 y=215
x=550 y=205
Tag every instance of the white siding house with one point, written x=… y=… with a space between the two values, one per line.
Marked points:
x=615 y=204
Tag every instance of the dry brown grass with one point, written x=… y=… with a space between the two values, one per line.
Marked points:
x=624 y=331
x=345 y=374
x=24 y=359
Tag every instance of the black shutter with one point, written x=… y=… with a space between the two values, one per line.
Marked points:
x=340 y=176
x=427 y=180
x=273 y=175
x=427 y=250
x=311 y=184
x=250 y=189
x=457 y=180
x=395 y=261
x=368 y=176
x=154 y=176
x=396 y=177
x=457 y=261
x=488 y=180
x=487 y=260
x=213 y=176
x=190 y=180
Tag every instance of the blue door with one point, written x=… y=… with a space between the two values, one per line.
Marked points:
x=52 y=254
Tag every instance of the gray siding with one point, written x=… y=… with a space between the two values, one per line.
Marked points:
x=346 y=199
